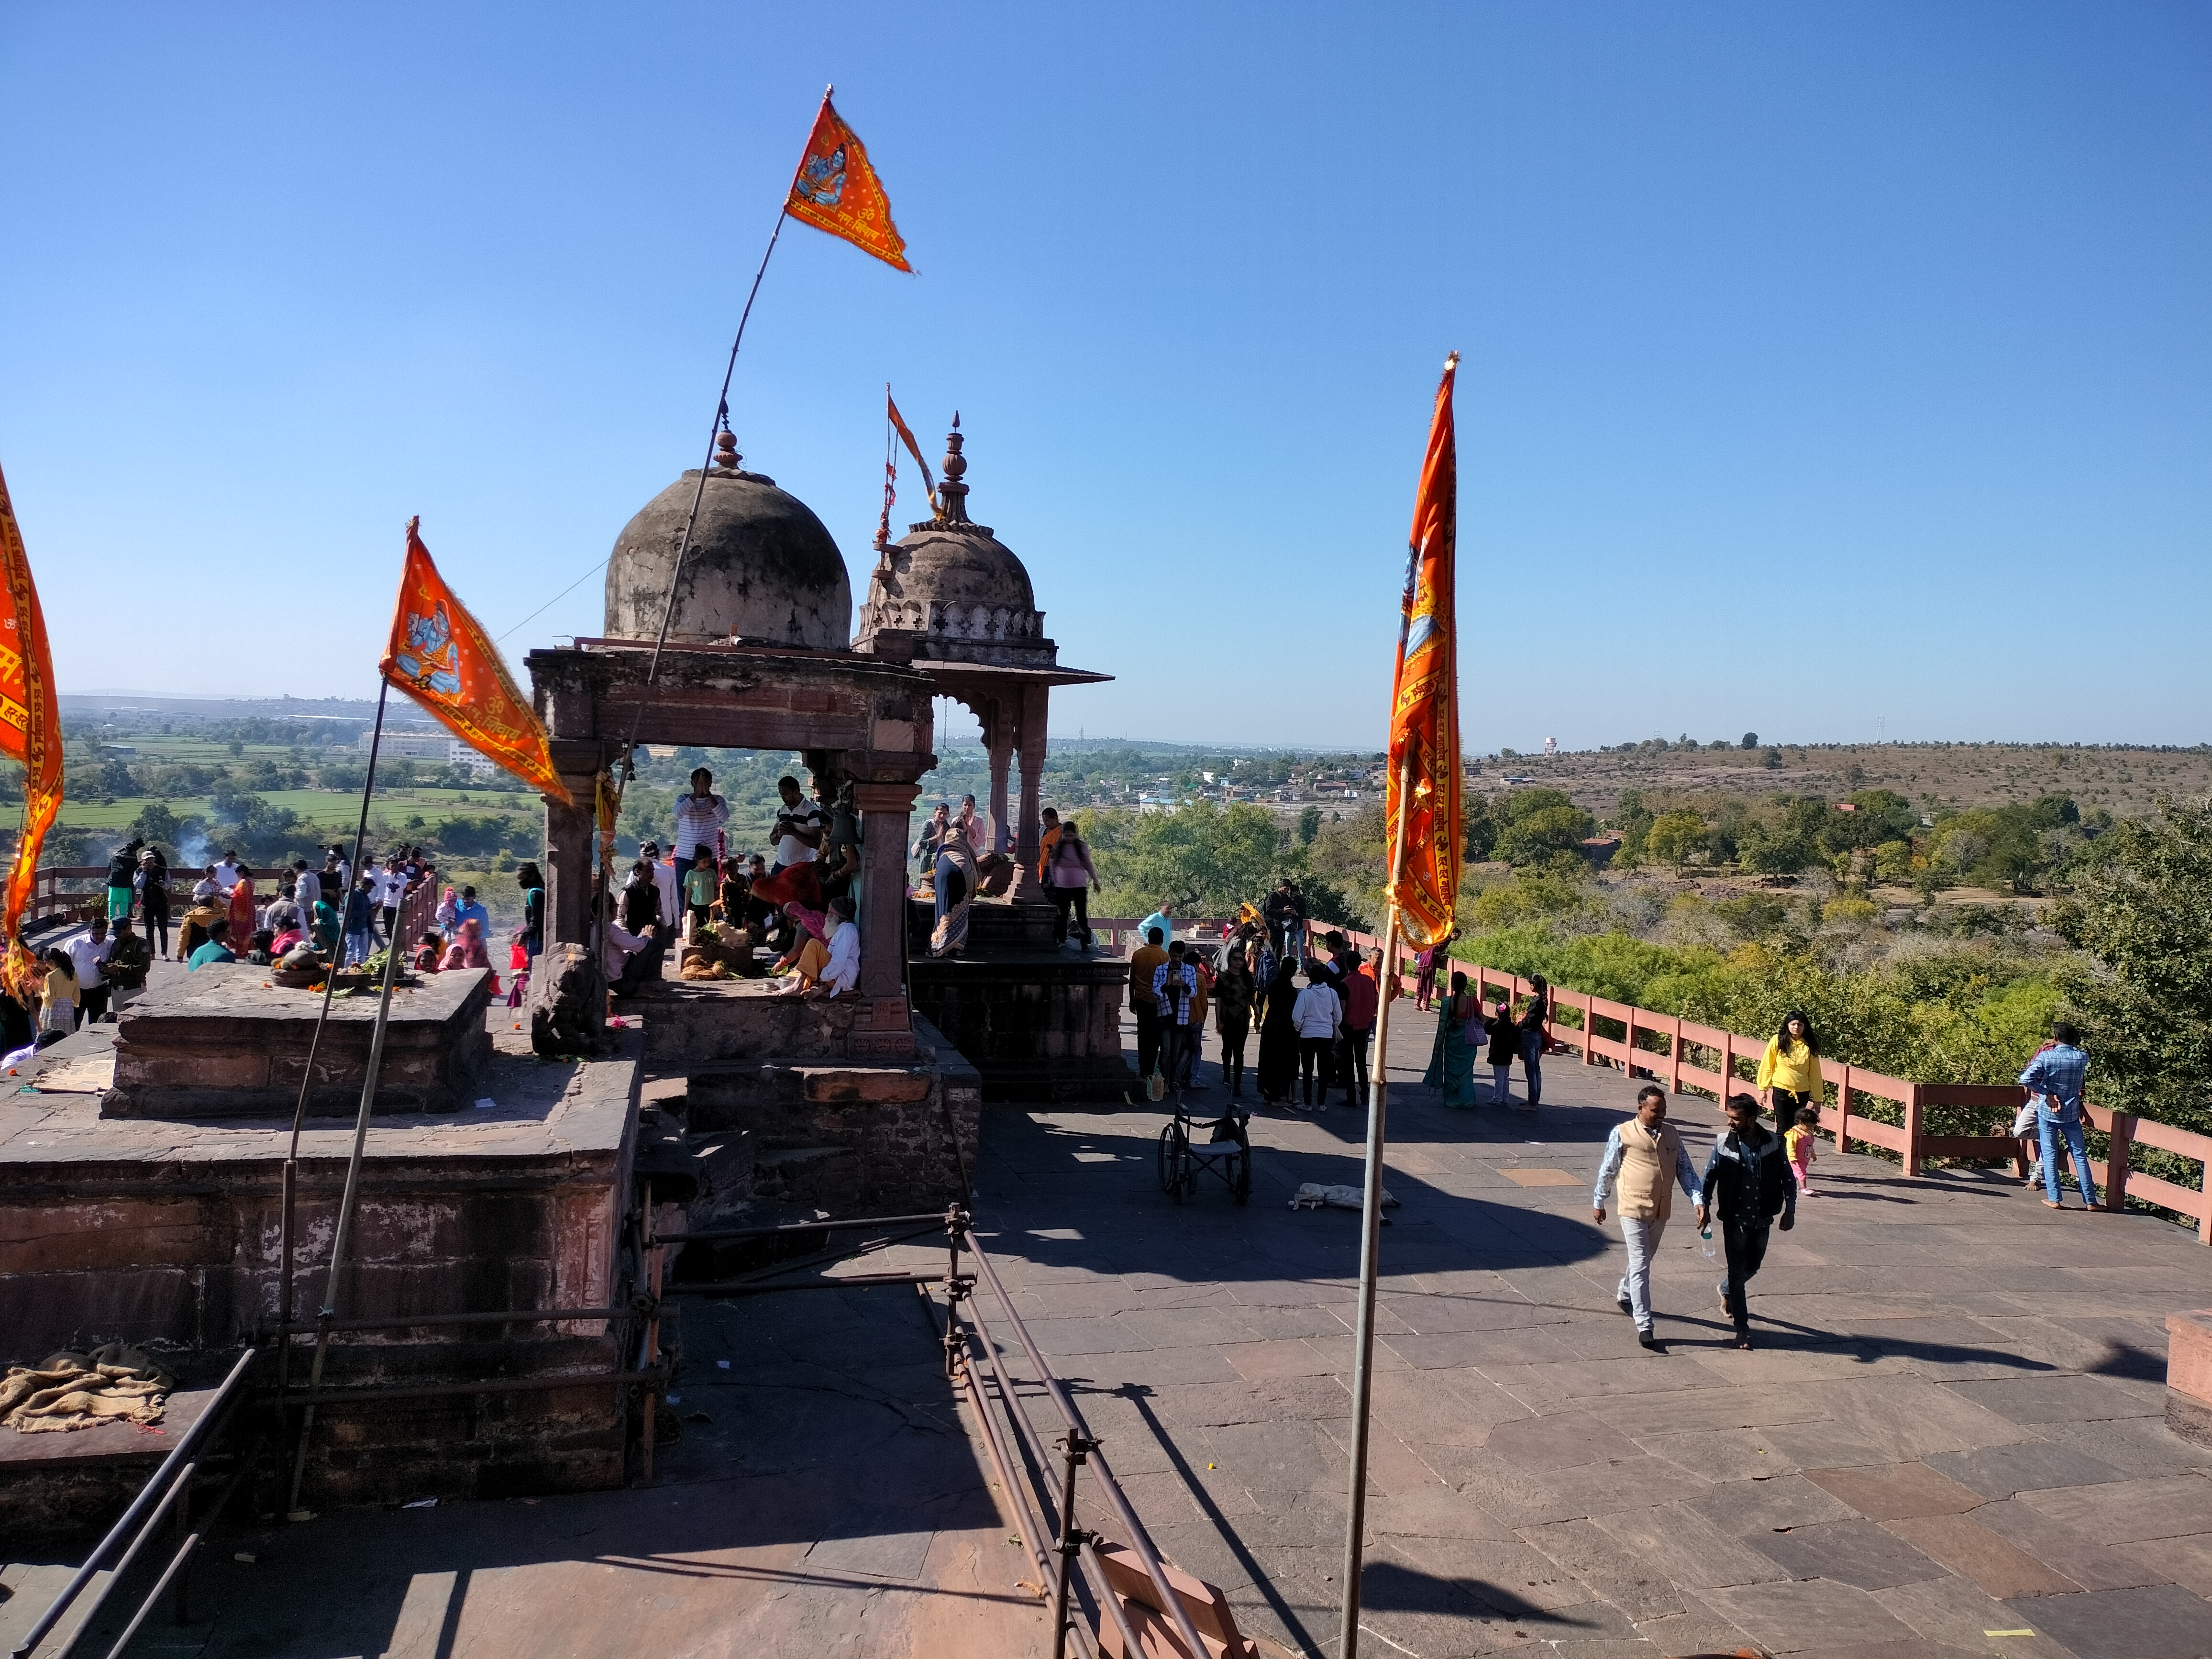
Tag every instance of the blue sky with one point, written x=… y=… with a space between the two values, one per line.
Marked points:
x=1826 y=367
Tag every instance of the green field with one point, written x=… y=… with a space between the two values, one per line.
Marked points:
x=317 y=805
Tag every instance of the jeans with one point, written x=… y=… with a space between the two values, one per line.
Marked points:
x=1176 y=1055
x=1190 y=1042
x=2053 y=1132
x=1642 y=1237
x=1786 y=1104
x=1148 y=1036
x=1077 y=899
x=91 y=1004
x=1233 y=1035
x=1352 y=1057
x=358 y=947
x=1532 y=1062
x=1501 y=1083
x=1314 y=1055
x=1746 y=1248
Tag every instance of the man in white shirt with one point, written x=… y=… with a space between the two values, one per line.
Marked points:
x=1316 y=1013
x=88 y=956
x=664 y=878
x=798 y=831
x=843 y=972
x=391 y=888
x=631 y=960
x=307 y=888
x=700 y=817
x=226 y=871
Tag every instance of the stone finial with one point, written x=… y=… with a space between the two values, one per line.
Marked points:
x=952 y=492
x=725 y=451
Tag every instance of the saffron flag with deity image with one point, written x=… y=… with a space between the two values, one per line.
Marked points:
x=440 y=655
x=30 y=731
x=1423 y=780
x=836 y=189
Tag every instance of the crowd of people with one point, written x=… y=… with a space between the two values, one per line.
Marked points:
x=790 y=914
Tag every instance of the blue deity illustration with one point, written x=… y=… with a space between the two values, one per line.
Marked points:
x=430 y=658
x=821 y=179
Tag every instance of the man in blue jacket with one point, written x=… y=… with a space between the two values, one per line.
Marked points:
x=1747 y=1183
x=2054 y=1077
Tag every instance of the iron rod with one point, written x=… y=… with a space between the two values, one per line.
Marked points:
x=710 y=1234
x=149 y=1498
x=542 y=1316
x=1371 y=1238
x=332 y=1397
x=346 y=1203
x=854 y=1282
x=1139 y=1541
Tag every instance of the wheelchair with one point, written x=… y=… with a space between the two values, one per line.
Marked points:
x=1224 y=1153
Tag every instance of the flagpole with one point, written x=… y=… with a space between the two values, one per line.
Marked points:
x=314 y=1042
x=1370 y=1240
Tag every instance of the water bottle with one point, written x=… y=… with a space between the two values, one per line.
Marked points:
x=1705 y=1241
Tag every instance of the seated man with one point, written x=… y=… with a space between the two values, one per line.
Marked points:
x=840 y=968
x=632 y=960
x=217 y=948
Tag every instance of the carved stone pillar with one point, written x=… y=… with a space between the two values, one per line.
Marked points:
x=569 y=837
x=1031 y=727
x=884 y=1028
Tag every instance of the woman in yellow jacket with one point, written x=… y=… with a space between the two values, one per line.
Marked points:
x=1790 y=1070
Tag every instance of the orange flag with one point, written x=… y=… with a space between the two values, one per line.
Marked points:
x=440 y=656
x=836 y=189
x=1424 y=699
x=907 y=435
x=30 y=731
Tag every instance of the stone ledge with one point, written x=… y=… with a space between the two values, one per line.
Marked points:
x=2188 y=1375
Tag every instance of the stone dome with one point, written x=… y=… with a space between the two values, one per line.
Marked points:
x=762 y=570
x=954 y=587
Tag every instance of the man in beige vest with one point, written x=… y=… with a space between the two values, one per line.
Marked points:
x=1646 y=1158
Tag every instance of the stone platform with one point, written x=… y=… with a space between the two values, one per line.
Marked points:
x=154 y=1230
x=1038 y=1025
x=224 y=1042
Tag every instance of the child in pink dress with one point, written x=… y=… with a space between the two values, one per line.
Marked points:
x=1797 y=1141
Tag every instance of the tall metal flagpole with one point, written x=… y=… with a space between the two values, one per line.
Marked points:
x=1370 y=1240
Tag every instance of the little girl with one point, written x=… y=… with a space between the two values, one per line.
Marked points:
x=1797 y=1141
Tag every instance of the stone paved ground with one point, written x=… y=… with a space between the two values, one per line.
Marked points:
x=1951 y=1424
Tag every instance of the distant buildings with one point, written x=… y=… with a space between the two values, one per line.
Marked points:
x=430 y=746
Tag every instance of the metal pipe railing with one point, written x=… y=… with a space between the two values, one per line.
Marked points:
x=1140 y=1542
x=171 y=1480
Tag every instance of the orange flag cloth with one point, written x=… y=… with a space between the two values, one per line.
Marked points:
x=906 y=435
x=440 y=656
x=30 y=731
x=836 y=189
x=1424 y=699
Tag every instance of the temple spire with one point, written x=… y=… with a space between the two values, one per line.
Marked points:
x=952 y=492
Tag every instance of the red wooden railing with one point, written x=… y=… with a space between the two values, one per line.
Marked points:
x=1675 y=1060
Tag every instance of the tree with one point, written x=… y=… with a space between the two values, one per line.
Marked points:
x=1308 y=825
x=2144 y=909
x=1750 y=740
x=1673 y=836
x=1541 y=825
x=1200 y=853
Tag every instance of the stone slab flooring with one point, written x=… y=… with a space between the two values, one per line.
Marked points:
x=1951 y=1426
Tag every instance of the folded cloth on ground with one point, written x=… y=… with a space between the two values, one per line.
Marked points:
x=81 y=1391
x=1313 y=1196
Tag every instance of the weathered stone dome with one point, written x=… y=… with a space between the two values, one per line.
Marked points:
x=954 y=587
x=761 y=568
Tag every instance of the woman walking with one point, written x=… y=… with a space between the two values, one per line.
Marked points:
x=532 y=885
x=1279 y=1037
x=1790 y=1070
x=1232 y=1014
x=1451 y=1064
x=1072 y=881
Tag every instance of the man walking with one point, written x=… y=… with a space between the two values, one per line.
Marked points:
x=1144 y=963
x=1646 y=1160
x=1747 y=1183
x=2054 y=1078
x=1362 y=995
x=88 y=956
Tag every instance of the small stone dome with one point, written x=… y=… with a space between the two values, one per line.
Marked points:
x=761 y=568
x=956 y=587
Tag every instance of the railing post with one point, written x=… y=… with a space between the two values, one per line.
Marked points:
x=1072 y=1539
x=1728 y=1066
x=1912 y=1130
x=1843 y=1109
x=2122 y=1135
x=1627 y=1040
x=1674 y=1057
